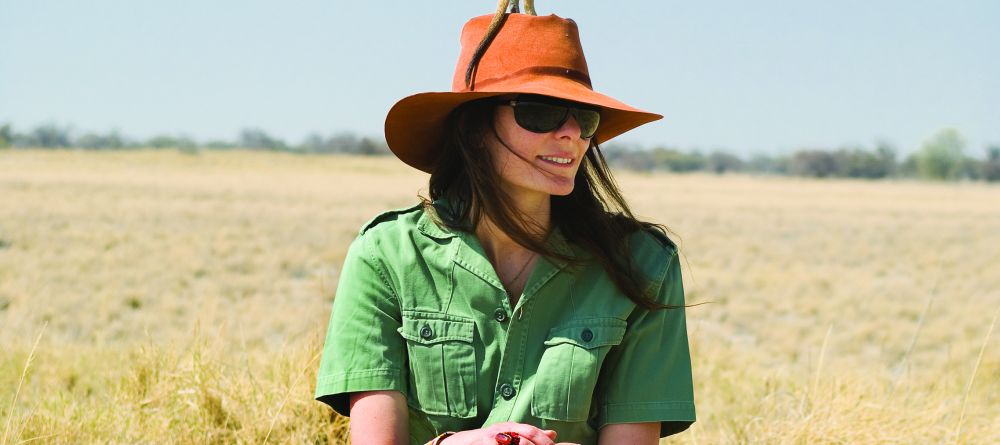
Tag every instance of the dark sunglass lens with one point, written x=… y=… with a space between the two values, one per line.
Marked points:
x=588 y=121
x=538 y=117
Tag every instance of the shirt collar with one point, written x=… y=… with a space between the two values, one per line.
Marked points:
x=426 y=225
x=469 y=253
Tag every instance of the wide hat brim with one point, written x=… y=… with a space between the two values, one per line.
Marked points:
x=415 y=126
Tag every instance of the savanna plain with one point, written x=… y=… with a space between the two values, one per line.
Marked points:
x=167 y=297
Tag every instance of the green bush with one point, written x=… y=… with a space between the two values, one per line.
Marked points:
x=940 y=157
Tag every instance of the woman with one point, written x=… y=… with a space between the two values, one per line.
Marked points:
x=522 y=302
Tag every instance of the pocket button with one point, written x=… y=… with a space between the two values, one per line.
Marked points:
x=587 y=335
x=426 y=332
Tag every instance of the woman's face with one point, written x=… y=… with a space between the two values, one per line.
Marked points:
x=537 y=163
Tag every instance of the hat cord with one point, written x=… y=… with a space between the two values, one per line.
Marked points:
x=499 y=18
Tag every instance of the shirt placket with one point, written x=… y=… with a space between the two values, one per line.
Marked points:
x=518 y=320
x=510 y=376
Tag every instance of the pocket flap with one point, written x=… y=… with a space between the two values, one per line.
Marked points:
x=430 y=328
x=588 y=332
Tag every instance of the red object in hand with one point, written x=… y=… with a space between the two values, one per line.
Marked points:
x=508 y=439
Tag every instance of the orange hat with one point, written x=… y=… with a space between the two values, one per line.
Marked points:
x=531 y=55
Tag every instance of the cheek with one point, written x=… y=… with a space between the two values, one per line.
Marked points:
x=515 y=152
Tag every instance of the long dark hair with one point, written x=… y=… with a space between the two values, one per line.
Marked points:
x=594 y=216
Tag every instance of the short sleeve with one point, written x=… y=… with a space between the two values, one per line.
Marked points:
x=647 y=377
x=362 y=350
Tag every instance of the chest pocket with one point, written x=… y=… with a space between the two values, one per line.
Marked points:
x=442 y=363
x=567 y=373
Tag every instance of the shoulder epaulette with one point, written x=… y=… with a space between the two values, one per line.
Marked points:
x=662 y=238
x=388 y=216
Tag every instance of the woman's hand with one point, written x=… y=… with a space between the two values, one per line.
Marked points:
x=530 y=435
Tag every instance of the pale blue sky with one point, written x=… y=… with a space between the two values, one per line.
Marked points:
x=761 y=76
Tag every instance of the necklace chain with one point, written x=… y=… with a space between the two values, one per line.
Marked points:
x=514 y=280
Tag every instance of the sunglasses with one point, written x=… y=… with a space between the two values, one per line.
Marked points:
x=542 y=115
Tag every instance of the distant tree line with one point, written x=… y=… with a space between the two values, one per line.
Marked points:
x=941 y=157
x=55 y=136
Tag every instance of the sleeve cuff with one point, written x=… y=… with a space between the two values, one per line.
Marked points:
x=333 y=389
x=675 y=411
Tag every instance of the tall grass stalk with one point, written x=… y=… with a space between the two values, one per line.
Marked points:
x=972 y=379
x=20 y=383
x=903 y=367
x=819 y=365
x=284 y=399
x=36 y=438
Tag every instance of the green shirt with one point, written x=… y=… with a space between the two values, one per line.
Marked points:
x=419 y=309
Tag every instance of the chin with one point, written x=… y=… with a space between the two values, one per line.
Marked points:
x=561 y=186
x=562 y=191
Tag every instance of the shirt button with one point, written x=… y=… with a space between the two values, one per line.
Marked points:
x=507 y=391
x=587 y=335
x=426 y=332
x=500 y=315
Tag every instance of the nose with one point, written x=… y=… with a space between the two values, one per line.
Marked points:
x=569 y=129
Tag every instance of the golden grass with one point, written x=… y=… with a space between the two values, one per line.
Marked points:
x=186 y=296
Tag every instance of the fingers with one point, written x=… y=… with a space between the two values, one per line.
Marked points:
x=531 y=435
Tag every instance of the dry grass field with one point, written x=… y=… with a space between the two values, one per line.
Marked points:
x=161 y=297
